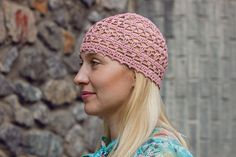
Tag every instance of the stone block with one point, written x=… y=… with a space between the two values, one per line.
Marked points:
x=40 y=5
x=3 y=32
x=74 y=140
x=59 y=92
x=42 y=143
x=60 y=122
x=118 y=5
x=20 y=22
x=7 y=58
x=51 y=35
x=6 y=87
x=68 y=42
x=27 y=92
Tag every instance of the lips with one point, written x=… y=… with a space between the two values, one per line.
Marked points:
x=86 y=94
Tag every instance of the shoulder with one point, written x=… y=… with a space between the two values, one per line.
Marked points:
x=161 y=144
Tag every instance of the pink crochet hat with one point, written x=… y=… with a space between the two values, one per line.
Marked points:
x=130 y=39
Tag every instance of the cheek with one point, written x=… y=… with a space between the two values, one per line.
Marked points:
x=113 y=87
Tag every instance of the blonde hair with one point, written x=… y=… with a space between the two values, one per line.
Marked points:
x=143 y=112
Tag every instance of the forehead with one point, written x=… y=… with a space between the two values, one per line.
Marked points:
x=88 y=55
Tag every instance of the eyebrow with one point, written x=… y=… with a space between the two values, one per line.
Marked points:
x=88 y=55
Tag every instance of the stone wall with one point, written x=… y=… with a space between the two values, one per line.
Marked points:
x=41 y=114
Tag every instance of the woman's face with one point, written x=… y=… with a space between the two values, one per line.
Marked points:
x=106 y=84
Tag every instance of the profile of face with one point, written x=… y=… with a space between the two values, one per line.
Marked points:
x=105 y=83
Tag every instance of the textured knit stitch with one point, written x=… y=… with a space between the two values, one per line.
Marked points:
x=130 y=39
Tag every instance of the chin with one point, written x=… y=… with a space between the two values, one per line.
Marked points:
x=91 y=112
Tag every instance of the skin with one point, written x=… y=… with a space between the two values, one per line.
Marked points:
x=112 y=84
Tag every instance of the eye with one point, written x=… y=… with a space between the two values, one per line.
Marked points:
x=94 y=62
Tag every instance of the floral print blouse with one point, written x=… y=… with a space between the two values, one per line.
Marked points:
x=161 y=143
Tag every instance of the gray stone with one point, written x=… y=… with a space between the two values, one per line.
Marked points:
x=40 y=113
x=13 y=102
x=2 y=28
x=74 y=141
x=59 y=92
x=7 y=58
x=93 y=129
x=78 y=111
x=6 y=112
x=42 y=144
x=51 y=35
x=77 y=18
x=24 y=117
x=61 y=121
x=33 y=65
x=94 y=17
x=27 y=92
x=56 y=68
x=72 y=62
x=3 y=154
x=6 y=87
x=55 y=4
x=12 y=137
x=61 y=17
x=20 y=22
x=118 y=5
x=26 y=155
x=88 y=3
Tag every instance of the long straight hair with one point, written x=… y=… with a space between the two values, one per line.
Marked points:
x=143 y=112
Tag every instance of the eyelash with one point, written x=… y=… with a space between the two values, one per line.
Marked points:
x=92 y=62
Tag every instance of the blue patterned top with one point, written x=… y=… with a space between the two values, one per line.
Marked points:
x=161 y=143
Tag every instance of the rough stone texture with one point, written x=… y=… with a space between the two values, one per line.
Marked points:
x=50 y=34
x=24 y=117
x=40 y=113
x=61 y=122
x=69 y=42
x=20 y=22
x=88 y=3
x=59 y=92
x=56 y=68
x=2 y=27
x=32 y=63
x=92 y=134
x=94 y=16
x=12 y=137
x=59 y=19
x=2 y=154
x=75 y=141
x=7 y=58
x=55 y=4
x=40 y=5
x=6 y=86
x=73 y=62
x=118 y=5
x=42 y=143
x=78 y=112
x=6 y=112
x=27 y=92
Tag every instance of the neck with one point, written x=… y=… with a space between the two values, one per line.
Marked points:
x=113 y=125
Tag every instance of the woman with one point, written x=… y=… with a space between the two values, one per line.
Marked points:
x=124 y=58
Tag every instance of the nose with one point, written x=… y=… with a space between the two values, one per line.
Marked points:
x=81 y=77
